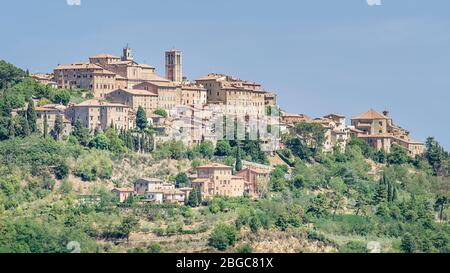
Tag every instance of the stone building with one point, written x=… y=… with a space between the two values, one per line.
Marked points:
x=104 y=73
x=86 y=76
x=270 y=99
x=257 y=178
x=336 y=134
x=135 y=98
x=292 y=119
x=169 y=95
x=217 y=180
x=379 y=130
x=239 y=97
x=45 y=79
x=157 y=191
x=122 y=193
x=192 y=94
x=95 y=114
x=51 y=111
x=174 y=66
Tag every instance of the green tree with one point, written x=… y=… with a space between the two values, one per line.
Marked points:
x=141 y=118
x=206 y=149
x=308 y=139
x=100 y=141
x=195 y=197
x=365 y=148
x=318 y=206
x=31 y=116
x=116 y=144
x=398 y=155
x=81 y=133
x=182 y=180
x=223 y=236
x=381 y=194
x=128 y=225
x=9 y=74
x=238 y=165
x=255 y=224
x=45 y=133
x=439 y=205
x=160 y=112
x=59 y=126
x=408 y=243
x=62 y=97
x=380 y=156
x=435 y=155
x=223 y=148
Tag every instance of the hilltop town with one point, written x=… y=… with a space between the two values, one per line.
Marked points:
x=134 y=161
x=119 y=86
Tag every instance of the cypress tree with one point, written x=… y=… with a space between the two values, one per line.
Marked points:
x=45 y=126
x=238 y=159
x=193 y=200
x=31 y=116
x=141 y=118
x=11 y=129
x=59 y=126
x=199 y=196
x=25 y=126
x=381 y=193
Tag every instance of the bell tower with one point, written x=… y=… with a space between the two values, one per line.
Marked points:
x=127 y=54
x=174 y=65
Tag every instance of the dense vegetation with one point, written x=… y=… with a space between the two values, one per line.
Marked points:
x=341 y=200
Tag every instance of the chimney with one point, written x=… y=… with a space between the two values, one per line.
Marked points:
x=386 y=113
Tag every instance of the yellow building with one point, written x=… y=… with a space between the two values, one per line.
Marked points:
x=169 y=95
x=193 y=94
x=217 y=180
x=105 y=73
x=50 y=112
x=95 y=114
x=239 y=97
x=135 y=98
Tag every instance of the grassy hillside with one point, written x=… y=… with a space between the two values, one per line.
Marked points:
x=53 y=193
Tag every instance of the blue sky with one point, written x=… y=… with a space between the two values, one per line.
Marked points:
x=320 y=56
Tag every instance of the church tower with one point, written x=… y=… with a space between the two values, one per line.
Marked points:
x=127 y=54
x=174 y=65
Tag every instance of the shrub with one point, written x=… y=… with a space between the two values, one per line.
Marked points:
x=94 y=164
x=222 y=237
x=354 y=247
x=154 y=248
x=244 y=249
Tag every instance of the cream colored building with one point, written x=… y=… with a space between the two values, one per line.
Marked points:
x=239 y=97
x=86 y=76
x=217 y=180
x=45 y=79
x=157 y=191
x=135 y=98
x=105 y=73
x=379 y=130
x=336 y=133
x=95 y=114
x=169 y=95
x=51 y=111
x=192 y=94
